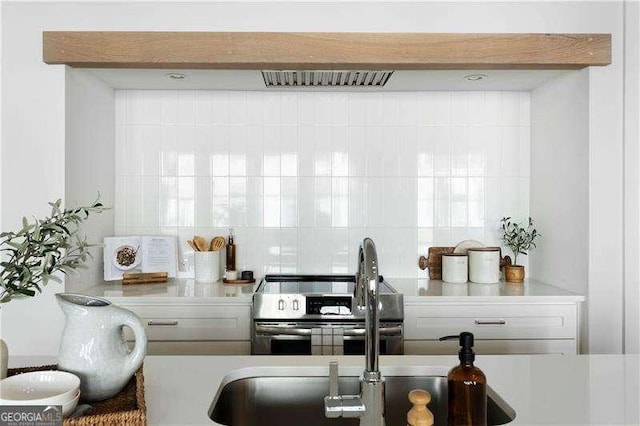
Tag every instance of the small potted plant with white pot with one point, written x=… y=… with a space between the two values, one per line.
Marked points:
x=520 y=240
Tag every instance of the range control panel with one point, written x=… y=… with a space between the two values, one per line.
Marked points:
x=323 y=305
x=318 y=298
x=288 y=305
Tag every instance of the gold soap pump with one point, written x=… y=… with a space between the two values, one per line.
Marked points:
x=419 y=415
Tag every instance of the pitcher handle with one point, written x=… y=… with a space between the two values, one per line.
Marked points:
x=135 y=359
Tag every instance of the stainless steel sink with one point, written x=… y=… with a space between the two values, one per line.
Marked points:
x=289 y=399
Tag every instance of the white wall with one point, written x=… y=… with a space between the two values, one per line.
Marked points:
x=632 y=178
x=90 y=159
x=606 y=183
x=560 y=184
x=34 y=104
x=302 y=177
x=33 y=166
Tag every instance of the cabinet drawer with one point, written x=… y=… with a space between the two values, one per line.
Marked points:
x=199 y=348
x=493 y=347
x=503 y=321
x=189 y=323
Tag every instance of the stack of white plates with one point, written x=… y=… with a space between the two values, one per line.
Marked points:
x=42 y=388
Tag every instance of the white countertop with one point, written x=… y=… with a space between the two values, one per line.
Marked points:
x=542 y=389
x=175 y=291
x=436 y=291
x=414 y=291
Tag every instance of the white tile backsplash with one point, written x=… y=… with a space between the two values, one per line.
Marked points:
x=302 y=177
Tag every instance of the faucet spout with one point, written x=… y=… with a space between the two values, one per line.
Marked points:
x=368 y=263
x=369 y=405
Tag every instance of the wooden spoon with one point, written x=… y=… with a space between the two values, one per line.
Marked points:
x=200 y=243
x=217 y=244
x=192 y=245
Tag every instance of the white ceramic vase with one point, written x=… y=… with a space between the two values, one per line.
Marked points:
x=93 y=346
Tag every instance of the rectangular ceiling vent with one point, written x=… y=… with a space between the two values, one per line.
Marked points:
x=275 y=79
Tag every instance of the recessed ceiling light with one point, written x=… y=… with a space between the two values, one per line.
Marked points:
x=176 y=76
x=475 y=77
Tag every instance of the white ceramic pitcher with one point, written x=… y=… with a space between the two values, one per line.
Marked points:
x=93 y=346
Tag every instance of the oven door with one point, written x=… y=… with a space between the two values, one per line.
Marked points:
x=317 y=338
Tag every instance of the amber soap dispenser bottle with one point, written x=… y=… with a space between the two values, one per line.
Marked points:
x=467 y=387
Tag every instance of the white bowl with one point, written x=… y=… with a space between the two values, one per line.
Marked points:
x=69 y=406
x=39 y=388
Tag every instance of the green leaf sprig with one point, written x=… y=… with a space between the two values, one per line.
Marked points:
x=37 y=253
x=518 y=238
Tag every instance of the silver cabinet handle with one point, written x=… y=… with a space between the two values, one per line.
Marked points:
x=491 y=322
x=155 y=322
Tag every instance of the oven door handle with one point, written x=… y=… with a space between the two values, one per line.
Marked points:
x=384 y=331
x=278 y=330
x=298 y=331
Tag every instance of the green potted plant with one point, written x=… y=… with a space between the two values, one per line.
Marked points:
x=35 y=254
x=41 y=251
x=520 y=240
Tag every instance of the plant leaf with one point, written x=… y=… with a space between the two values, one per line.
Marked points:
x=43 y=250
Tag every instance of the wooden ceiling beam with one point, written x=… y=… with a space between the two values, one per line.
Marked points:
x=325 y=51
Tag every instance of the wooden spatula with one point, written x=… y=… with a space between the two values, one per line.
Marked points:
x=201 y=243
x=217 y=244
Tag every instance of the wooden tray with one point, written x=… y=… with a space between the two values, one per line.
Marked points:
x=434 y=261
x=126 y=408
x=226 y=281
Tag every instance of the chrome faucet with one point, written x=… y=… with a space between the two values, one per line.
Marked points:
x=369 y=405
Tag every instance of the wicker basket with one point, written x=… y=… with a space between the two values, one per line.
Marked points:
x=126 y=408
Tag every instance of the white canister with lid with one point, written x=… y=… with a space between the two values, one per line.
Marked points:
x=484 y=265
x=455 y=268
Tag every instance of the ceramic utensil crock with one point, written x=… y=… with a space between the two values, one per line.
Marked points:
x=207 y=266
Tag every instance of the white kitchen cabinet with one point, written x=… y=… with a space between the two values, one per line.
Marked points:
x=188 y=329
x=186 y=318
x=499 y=328
x=531 y=318
x=492 y=347
x=183 y=317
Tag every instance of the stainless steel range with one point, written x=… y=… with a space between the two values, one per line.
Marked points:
x=318 y=315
